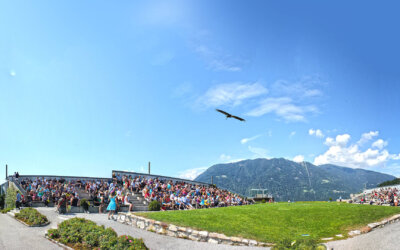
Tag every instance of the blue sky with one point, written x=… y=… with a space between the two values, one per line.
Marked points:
x=87 y=87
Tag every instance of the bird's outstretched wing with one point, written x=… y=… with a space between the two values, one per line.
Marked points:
x=223 y=112
x=240 y=119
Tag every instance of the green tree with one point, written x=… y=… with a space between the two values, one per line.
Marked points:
x=11 y=197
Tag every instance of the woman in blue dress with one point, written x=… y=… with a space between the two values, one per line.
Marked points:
x=112 y=206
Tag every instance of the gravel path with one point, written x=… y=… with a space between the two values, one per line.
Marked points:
x=386 y=238
x=152 y=240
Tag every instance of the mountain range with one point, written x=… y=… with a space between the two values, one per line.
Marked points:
x=288 y=180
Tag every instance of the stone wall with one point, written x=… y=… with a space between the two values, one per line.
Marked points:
x=217 y=238
x=185 y=232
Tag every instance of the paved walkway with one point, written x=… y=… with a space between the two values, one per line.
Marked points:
x=386 y=238
x=14 y=235
x=152 y=240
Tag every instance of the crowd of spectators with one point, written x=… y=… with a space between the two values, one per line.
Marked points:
x=382 y=196
x=49 y=190
x=172 y=195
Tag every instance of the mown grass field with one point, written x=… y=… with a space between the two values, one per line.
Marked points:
x=278 y=221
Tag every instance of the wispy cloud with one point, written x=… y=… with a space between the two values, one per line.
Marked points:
x=12 y=73
x=246 y=140
x=306 y=87
x=293 y=133
x=291 y=101
x=231 y=94
x=258 y=152
x=283 y=107
x=217 y=61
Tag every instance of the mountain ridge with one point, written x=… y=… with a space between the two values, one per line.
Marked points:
x=289 y=180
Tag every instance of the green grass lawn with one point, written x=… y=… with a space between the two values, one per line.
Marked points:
x=277 y=221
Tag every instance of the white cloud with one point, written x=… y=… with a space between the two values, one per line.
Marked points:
x=258 y=152
x=367 y=137
x=341 y=140
x=191 y=174
x=231 y=94
x=379 y=144
x=317 y=133
x=283 y=107
x=293 y=133
x=246 y=140
x=298 y=158
x=12 y=73
x=395 y=157
x=340 y=152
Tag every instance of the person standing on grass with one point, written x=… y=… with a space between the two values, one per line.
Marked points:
x=112 y=206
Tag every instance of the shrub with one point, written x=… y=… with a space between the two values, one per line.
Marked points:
x=31 y=217
x=80 y=233
x=154 y=206
x=6 y=210
x=11 y=197
x=301 y=244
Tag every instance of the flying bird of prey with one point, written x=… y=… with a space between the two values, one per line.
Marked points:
x=230 y=116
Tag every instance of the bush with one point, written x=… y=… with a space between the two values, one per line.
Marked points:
x=11 y=197
x=301 y=244
x=80 y=233
x=154 y=206
x=6 y=210
x=31 y=217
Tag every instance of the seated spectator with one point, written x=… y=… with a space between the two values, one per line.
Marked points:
x=127 y=202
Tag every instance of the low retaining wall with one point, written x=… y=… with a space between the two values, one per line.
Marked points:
x=185 y=232
x=371 y=226
x=217 y=238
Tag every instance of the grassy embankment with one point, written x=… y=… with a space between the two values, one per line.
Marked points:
x=278 y=221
